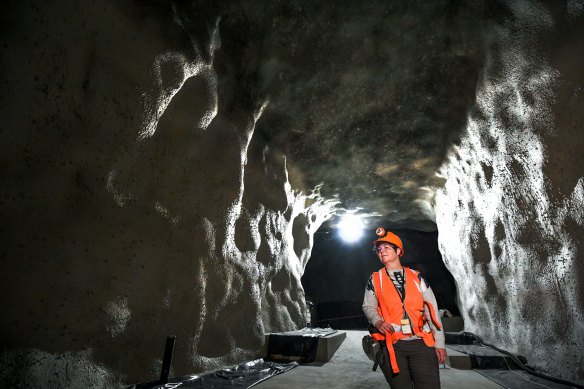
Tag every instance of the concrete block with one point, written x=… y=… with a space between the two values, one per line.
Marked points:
x=458 y=360
x=328 y=345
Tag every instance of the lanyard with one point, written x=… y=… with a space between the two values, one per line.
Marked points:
x=401 y=280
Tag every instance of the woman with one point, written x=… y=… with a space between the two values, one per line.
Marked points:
x=401 y=306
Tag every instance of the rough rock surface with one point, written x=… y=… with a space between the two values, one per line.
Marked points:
x=133 y=206
x=510 y=216
x=158 y=161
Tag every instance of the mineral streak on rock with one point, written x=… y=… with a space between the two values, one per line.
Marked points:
x=510 y=237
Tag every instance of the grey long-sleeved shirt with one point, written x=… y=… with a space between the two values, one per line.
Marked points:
x=370 y=304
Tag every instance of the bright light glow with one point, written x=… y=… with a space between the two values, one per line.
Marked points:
x=350 y=228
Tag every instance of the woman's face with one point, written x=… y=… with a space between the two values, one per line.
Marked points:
x=387 y=253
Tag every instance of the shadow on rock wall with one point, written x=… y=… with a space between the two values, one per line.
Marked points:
x=510 y=216
x=133 y=205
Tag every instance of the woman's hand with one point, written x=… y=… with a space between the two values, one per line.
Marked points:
x=384 y=327
x=441 y=354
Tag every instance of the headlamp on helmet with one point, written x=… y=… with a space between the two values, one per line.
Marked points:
x=388 y=237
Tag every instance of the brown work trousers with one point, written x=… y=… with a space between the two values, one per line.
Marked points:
x=418 y=366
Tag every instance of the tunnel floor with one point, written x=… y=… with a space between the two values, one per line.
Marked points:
x=351 y=369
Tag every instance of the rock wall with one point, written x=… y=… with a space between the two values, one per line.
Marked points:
x=145 y=190
x=510 y=217
x=134 y=204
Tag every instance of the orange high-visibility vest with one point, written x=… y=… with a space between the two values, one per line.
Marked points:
x=391 y=309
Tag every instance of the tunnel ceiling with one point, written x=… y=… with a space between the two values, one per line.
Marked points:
x=363 y=97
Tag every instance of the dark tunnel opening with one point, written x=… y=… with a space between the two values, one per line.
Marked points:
x=335 y=277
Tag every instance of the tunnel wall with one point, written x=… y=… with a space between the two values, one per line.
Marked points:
x=510 y=217
x=135 y=205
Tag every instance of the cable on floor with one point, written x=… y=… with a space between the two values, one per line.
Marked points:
x=522 y=366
